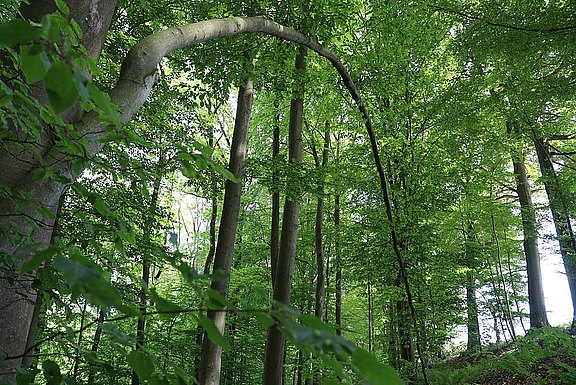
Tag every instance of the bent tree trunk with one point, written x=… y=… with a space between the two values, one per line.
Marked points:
x=137 y=78
x=211 y=356
x=559 y=210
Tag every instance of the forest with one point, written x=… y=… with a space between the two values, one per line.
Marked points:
x=304 y=192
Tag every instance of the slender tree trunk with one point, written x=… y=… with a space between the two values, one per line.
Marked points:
x=338 y=304
x=95 y=345
x=141 y=326
x=471 y=262
x=211 y=251
x=370 y=319
x=274 y=358
x=319 y=233
x=211 y=356
x=508 y=312
x=538 y=317
x=472 y=325
x=559 y=209
x=404 y=332
x=275 y=226
x=80 y=338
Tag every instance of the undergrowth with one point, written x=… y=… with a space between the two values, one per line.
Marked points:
x=543 y=357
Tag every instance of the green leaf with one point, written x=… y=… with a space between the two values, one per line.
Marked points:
x=373 y=370
x=213 y=334
x=217 y=301
x=188 y=170
x=141 y=363
x=62 y=7
x=36 y=260
x=51 y=372
x=34 y=66
x=60 y=87
x=162 y=305
x=25 y=376
x=18 y=31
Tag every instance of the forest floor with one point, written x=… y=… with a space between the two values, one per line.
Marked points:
x=543 y=357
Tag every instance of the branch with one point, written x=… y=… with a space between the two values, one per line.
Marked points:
x=466 y=16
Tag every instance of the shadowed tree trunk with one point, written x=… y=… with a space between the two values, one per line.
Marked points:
x=559 y=210
x=338 y=304
x=274 y=358
x=538 y=317
x=95 y=345
x=211 y=355
x=275 y=226
x=146 y=256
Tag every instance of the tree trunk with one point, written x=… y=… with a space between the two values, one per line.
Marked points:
x=147 y=237
x=80 y=338
x=274 y=358
x=473 y=326
x=318 y=233
x=538 y=317
x=338 y=304
x=508 y=312
x=16 y=298
x=370 y=319
x=96 y=345
x=211 y=355
x=275 y=226
x=559 y=209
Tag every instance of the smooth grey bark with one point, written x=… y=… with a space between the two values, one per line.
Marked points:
x=538 y=316
x=16 y=298
x=275 y=341
x=561 y=218
x=211 y=355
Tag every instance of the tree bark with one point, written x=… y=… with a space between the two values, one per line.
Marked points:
x=559 y=210
x=538 y=317
x=275 y=225
x=16 y=298
x=147 y=237
x=274 y=357
x=96 y=345
x=338 y=304
x=319 y=233
x=211 y=355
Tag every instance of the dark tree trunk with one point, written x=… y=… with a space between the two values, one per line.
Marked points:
x=275 y=226
x=559 y=209
x=472 y=325
x=96 y=345
x=274 y=358
x=141 y=325
x=538 y=317
x=211 y=355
